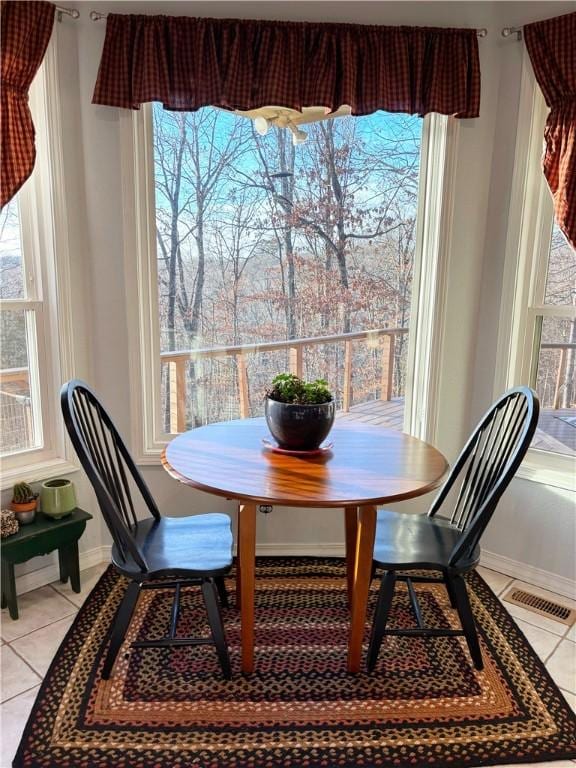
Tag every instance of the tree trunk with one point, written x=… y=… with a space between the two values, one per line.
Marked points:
x=338 y=193
x=193 y=326
x=287 y=157
x=569 y=390
x=173 y=260
x=194 y=319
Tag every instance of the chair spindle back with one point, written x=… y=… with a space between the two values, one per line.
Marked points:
x=108 y=464
x=486 y=465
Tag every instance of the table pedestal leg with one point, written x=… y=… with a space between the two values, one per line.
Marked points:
x=351 y=525
x=362 y=574
x=238 y=571
x=247 y=565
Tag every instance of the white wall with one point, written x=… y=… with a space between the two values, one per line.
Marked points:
x=534 y=523
x=483 y=179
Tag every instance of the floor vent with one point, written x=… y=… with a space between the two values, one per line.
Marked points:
x=540 y=605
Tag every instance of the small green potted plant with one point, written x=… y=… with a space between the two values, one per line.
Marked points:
x=299 y=414
x=23 y=503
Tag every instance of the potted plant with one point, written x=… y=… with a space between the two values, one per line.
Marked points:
x=23 y=503
x=299 y=414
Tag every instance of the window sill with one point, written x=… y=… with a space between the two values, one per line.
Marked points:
x=557 y=477
x=37 y=471
x=151 y=459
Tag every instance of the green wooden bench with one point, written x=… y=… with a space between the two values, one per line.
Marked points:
x=42 y=536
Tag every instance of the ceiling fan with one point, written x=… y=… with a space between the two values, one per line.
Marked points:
x=284 y=117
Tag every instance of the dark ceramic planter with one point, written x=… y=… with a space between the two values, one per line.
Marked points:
x=299 y=427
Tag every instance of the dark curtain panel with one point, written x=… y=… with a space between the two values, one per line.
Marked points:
x=187 y=63
x=26 y=30
x=552 y=48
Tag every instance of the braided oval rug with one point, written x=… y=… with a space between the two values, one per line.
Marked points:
x=424 y=705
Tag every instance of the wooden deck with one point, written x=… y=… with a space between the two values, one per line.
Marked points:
x=554 y=433
x=385 y=413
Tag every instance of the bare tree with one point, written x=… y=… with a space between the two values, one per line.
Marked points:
x=336 y=203
x=192 y=161
x=560 y=290
x=11 y=282
x=235 y=244
x=276 y=163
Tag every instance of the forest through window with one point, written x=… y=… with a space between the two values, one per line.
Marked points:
x=262 y=242
x=554 y=374
x=20 y=411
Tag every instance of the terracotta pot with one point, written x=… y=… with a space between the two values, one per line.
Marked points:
x=25 y=512
x=26 y=506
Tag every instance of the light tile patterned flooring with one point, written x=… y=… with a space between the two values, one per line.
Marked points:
x=29 y=644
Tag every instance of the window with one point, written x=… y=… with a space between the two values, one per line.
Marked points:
x=538 y=317
x=257 y=255
x=32 y=276
x=21 y=322
x=552 y=353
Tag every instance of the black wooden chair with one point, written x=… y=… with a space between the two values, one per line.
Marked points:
x=156 y=552
x=406 y=542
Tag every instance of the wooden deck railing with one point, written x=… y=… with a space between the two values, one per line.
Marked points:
x=16 y=427
x=14 y=382
x=382 y=337
x=564 y=348
x=385 y=338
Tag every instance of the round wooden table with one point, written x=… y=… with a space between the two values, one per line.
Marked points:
x=368 y=465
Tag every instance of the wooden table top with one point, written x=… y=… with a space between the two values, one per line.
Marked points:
x=367 y=465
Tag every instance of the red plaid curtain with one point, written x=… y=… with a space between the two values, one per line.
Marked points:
x=26 y=30
x=187 y=63
x=552 y=48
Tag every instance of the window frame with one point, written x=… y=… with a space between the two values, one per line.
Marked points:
x=435 y=204
x=530 y=224
x=44 y=227
x=434 y=229
x=34 y=307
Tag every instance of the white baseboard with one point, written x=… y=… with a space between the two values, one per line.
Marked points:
x=26 y=582
x=301 y=550
x=529 y=573
x=514 y=568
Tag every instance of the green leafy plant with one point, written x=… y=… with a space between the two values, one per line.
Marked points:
x=289 y=388
x=22 y=493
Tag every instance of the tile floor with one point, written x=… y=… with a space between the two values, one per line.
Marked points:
x=29 y=644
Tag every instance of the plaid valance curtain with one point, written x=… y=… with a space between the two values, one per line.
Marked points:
x=551 y=45
x=187 y=63
x=26 y=30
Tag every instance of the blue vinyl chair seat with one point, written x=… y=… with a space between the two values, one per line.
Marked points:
x=414 y=541
x=178 y=545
